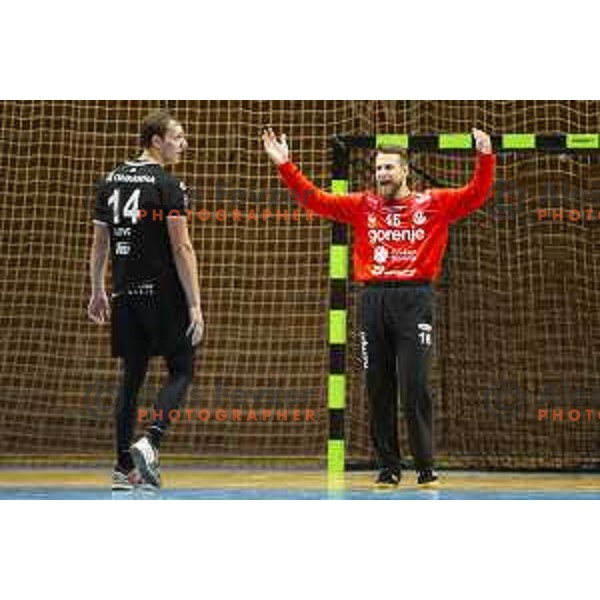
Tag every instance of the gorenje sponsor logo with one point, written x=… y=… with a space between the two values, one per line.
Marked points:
x=414 y=234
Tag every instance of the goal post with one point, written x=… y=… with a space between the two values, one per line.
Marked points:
x=339 y=254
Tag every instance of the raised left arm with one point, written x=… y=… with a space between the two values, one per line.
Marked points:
x=461 y=202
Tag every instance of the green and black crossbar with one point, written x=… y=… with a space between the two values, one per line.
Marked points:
x=508 y=142
x=339 y=252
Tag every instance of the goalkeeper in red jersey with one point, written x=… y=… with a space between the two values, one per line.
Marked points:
x=399 y=242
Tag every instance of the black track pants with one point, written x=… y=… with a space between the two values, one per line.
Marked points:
x=397 y=336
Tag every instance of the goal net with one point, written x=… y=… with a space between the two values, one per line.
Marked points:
x=517 y=306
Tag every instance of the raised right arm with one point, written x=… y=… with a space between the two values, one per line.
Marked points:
x=330 y=206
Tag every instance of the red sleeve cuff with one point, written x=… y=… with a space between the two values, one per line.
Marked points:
x=287 y=168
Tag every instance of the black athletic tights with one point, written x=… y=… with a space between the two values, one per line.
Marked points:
x=397 y=321
x=181 y=370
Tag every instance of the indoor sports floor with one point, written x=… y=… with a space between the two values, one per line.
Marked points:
x=194 y=484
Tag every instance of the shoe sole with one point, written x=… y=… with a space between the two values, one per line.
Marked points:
x=388 y=484
x=429 y=484
x=121 y=487
x=142 y=466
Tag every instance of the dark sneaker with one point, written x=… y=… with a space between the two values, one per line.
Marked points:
x=388 y=477
x=145 y=458
x=427 y=477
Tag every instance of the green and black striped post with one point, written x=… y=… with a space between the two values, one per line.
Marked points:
x=339 y=253
x=338 y=298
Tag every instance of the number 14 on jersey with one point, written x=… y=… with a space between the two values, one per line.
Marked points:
x=130 y=209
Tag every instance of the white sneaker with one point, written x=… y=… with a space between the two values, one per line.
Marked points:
x=145 y=458
x=122 y=482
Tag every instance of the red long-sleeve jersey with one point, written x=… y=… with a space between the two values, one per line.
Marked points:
x=400 y=239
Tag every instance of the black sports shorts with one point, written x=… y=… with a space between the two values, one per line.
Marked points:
x=150 y=324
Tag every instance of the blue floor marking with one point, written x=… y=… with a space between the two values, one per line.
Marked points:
x=29 y=493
